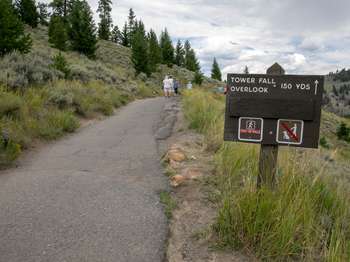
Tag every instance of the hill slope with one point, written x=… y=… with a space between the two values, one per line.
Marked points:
x=38 y=101
x=337 y=95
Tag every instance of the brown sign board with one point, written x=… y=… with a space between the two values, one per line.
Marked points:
x=287 y=108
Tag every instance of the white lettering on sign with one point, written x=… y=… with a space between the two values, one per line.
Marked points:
x=252 y=80
x=298 y=86
x=244 y=80
x=267 y=81
x=303 y=86
x=316 y=85
x=248 y=89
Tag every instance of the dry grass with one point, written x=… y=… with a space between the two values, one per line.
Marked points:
x=305 y=218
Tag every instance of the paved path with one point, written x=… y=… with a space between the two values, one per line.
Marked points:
x=92 y=196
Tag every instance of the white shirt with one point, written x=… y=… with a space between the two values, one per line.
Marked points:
x=168 y=83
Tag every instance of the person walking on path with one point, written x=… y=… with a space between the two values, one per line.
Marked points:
x=176 y=87
x=171 y=83
x=167 y=86
x=189 y=85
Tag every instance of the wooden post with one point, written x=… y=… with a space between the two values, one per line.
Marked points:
x=269 y=153
x=268 y=166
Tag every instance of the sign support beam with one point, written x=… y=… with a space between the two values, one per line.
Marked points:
x=269 y=153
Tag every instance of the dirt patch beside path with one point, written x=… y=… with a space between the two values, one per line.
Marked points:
x=191 y=237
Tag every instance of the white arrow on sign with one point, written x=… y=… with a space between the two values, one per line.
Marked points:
x=316 y=85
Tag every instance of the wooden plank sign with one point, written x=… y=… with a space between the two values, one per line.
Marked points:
x=279 y=109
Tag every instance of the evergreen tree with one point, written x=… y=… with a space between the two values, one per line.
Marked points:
x=343 y=132
x=179 y=54
x=62 y=8
x=43 y=14
x=167 y=48
x=82 y=32
x=215 y=71
x=58 y=8
x=12 y=30
x=131 y=20
x=191 y=62
x=125 y=36
x=57 y=33
x=155 y=52
x=198 y=78
x=27 y=12
x=104 y=27
x=132 y=23
x=139 y=49
x=116 y=35
x=246 y=70
x=60 y=63
x=187 y=47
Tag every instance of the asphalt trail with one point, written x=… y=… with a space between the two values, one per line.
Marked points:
x=92 y=196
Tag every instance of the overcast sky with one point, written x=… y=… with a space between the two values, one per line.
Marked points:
x=304 y=36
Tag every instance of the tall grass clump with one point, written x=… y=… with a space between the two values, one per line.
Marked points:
x=306 y=218
x=205 y=113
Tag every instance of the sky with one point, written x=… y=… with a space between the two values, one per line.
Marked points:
x=304 y=36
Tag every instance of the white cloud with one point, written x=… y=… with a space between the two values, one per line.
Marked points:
x=304 y=36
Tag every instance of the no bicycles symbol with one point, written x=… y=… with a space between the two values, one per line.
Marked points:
x=290 y=131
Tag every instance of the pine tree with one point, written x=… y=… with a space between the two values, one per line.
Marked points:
x=155 y=52
x=215 y=71
x=12 y=30
x=179 y=54
x=27 y=12
x=198 y=78
x=125 y=36
x=104 y=27
x=131 y=20
x=139 y=49
x=116 y=35
x=167 y=48
x=60 y=63
x=43 y=14
x=191 y=62
x=246 y=70
x=82 y=32
x=58 y=7
x=132 y=23
x=57 y=33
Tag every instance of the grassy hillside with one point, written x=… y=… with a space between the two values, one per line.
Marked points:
x=306 y=218
x=38 y=101
x=337 y=95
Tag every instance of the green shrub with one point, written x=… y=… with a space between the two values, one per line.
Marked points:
x=9 y=152
x=62 y=98
x=10 y=104
x=86 y=99
x=324 y=142
x=17 y=131
x=20 y=71
x=61 y=64
x=55 y=123
x=343 y=132
x=144 y=91
x=95 y=98
x=87 y=71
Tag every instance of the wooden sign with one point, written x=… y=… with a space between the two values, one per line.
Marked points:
x=287 y=108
